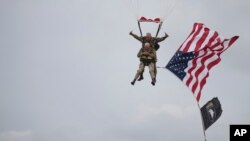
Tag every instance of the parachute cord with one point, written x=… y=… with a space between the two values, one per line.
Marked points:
x=160 y=67
x=139 y=25
x=133 y=5
x=158 y=30
x=169 y=10
x=136 y=7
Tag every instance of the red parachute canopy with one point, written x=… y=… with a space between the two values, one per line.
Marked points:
x=144 y=19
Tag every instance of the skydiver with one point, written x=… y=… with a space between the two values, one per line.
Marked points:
x=147 y=58
x=154 y=44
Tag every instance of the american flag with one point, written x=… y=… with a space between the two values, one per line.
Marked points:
x=197 y=55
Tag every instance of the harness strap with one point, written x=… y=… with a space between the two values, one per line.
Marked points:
x=139 y=25
x=158 y=30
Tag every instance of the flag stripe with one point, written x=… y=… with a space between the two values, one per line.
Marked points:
x=194 y=28
x=203 y=82
x=202 y=39
x=199 y=53
x=188 y=42
x=193 y=67
x=201 y=63
x=203 y=70
x=212 y=40
x=215 y=60
x=196 y=39
x=232 y=40
x=228 y=42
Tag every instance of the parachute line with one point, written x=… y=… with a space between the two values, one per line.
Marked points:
x=152 y=8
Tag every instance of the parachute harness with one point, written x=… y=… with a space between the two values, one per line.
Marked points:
x=156 y=20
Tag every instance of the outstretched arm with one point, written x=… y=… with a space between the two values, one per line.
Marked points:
x=135 y=36
x=162 y=38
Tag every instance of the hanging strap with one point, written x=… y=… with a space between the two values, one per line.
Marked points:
x=158 y=30
x=139 y=25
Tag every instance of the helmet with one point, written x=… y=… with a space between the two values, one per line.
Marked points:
x=148 y=34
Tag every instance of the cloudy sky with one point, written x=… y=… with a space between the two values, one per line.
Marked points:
x=66 y=67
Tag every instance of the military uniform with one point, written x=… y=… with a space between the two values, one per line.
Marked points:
x=147 y=58
x=153 y=43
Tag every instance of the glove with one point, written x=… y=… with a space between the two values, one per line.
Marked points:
x=166 y=35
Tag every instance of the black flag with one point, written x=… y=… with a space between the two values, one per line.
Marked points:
x=211 y=111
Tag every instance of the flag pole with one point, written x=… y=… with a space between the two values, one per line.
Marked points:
x=203 y=125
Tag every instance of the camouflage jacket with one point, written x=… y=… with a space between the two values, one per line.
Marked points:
x=152 y=42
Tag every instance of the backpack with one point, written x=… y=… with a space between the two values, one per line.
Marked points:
x=156 y=46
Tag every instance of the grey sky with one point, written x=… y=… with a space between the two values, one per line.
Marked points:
x=66 y=67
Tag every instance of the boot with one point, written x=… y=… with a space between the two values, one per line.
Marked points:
x=153 y=81
x=140 y=78
x=133 y=82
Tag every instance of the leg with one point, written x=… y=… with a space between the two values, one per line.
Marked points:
x=141 y=77
x=139 y=72
x=155 y=69
x=152 y=72
x=139 y=55
x=155 y=55
x=155 y=61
